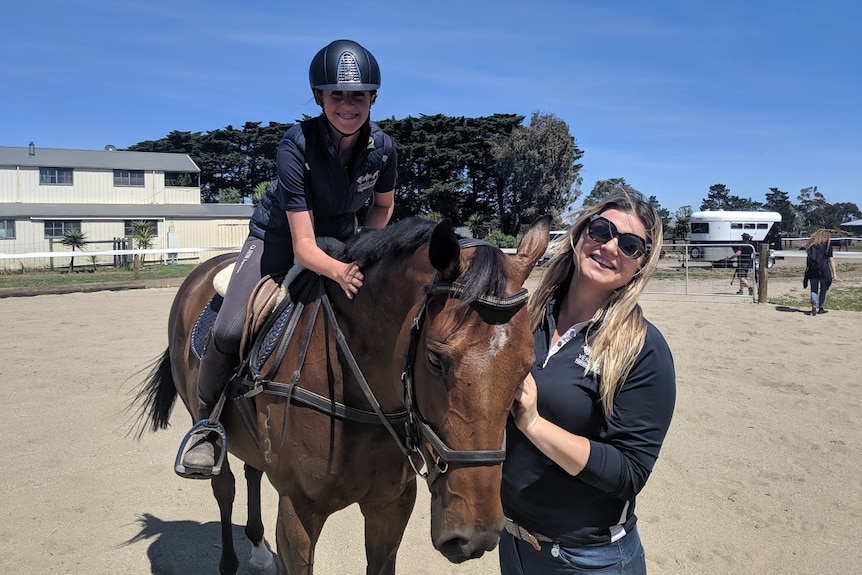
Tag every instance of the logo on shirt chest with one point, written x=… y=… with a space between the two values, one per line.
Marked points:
x=366 y=182
x=584 y=358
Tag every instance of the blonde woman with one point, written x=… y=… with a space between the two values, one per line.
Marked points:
x=589 y=421
x=819 y=269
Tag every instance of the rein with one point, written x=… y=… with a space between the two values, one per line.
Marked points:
x=415 y=426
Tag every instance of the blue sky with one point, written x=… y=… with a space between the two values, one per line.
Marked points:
x=672 y=95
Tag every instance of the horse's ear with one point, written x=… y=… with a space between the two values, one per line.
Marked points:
x=444 y=251
x=533 y=245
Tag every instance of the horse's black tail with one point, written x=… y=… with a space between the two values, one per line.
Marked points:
x=155 y=399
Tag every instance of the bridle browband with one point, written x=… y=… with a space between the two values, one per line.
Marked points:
x=415 y=426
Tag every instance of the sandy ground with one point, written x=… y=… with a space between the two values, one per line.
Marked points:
x=760 y=473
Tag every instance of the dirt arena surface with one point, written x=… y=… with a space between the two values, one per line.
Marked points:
x=761 y=472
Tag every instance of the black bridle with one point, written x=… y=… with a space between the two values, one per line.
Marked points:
x=415 y=426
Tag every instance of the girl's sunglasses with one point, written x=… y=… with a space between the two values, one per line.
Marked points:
x=602 y=230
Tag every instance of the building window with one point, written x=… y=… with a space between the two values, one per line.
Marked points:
x=56 y=228
x=55 y=176
x=128 y=228
x=7 y=229
x=181 y=180
x=134 y=178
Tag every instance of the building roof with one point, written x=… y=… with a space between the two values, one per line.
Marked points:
x=124 y=211
x=108 y=159
x=853 y=224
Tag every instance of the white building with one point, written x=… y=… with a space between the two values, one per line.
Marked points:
x=45 y=191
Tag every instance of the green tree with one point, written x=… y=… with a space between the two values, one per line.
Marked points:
x=501 y=240
x=475 y=223
x=778 y=201
x=259 y=191
x=142 y=237
x=603 y=188
x=663 y=213
x=537 y=172
x=681 y=226
x=75 y=239
x=720 y=198
x=229 y=196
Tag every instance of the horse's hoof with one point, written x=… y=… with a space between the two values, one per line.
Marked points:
x=271 y=569
x=264 y=564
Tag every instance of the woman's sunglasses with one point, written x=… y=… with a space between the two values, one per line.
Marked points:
x=602 y=230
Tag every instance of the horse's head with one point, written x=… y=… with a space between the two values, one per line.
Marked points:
x=471 y=346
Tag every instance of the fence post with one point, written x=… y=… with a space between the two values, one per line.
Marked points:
x=763 y=274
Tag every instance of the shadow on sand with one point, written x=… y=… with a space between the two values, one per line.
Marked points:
x=187 y=547
x=792 y=309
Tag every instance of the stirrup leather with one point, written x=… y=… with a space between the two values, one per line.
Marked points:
x=201 y=428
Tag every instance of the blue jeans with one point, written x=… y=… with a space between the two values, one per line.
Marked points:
x=819 y=287
x=622 y=557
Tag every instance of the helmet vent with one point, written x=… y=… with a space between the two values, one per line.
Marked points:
x=348 y=69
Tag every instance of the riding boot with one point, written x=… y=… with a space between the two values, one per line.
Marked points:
x=215 y=371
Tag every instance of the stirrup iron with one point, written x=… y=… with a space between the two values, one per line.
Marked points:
x=201 y=429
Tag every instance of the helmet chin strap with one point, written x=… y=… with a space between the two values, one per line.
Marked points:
x=343 y=134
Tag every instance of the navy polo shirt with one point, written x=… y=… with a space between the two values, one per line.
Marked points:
x=580 y=510
x=312 y=177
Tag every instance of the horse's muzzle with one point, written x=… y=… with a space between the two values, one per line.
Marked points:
x=459 y=547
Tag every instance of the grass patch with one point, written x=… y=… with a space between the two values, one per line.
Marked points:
x=45 y=278
x=840 y=297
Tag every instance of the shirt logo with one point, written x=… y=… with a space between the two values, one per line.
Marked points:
x=584 y=357
x=366 y=182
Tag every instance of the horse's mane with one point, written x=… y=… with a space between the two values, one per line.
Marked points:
x=400 y=238
x=486 y=274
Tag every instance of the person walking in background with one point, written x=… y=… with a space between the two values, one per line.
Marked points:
x=819 y=269
x=329 y=167
x=745 y=253
x=589 y=420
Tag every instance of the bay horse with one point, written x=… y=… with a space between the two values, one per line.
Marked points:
x=417 y=372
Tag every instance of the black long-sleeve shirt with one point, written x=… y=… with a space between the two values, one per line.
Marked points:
x=583 y=509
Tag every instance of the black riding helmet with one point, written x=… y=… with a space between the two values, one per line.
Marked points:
x=344 y=65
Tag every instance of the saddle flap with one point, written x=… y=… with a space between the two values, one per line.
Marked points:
x=266 y=296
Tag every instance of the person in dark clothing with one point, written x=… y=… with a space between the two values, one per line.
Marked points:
x=819 y=269
x=745 y=253
x=589 y=420
x=328 y=168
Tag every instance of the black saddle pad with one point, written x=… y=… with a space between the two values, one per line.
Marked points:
x=269 y=337
x=204 y=325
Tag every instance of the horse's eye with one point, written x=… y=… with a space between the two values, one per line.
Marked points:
x=434 y=360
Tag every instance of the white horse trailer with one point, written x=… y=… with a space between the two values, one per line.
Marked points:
x=713 y=233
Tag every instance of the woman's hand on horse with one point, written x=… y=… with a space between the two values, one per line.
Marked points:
x=525 y=409
x=350 y=279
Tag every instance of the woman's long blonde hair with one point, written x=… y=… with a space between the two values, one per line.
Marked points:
x=821 y=236
x=619 y=338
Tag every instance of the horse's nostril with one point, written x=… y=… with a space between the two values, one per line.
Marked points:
x=459 y=548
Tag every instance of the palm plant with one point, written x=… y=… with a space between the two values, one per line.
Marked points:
x=75 y=239
x=142 y=236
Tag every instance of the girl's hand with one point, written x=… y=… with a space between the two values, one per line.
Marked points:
x=350 y=279
x=524 y=410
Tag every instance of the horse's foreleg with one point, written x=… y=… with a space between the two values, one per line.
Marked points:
x=384 y=529
x=261 y=562
x=224 y=489
x=296 y=533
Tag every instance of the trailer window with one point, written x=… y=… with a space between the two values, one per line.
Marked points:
x=700 y=227
x=735 y=226
x=749 y=226
x=762 y=226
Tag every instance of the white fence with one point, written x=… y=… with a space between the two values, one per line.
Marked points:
x=33 y=260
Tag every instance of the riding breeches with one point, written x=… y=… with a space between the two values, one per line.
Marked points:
x=256 y=260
